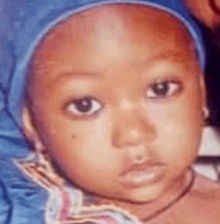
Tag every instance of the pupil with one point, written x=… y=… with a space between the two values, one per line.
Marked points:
x=161 y=88
x=83 y=105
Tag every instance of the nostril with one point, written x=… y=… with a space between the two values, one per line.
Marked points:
x=138 y=154
x=138 y=159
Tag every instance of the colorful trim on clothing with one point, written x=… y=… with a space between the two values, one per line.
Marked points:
x=66 y=203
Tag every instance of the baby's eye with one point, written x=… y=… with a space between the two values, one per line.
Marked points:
x=163 y=89
x=84 y=106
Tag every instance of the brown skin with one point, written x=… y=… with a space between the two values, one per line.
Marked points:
x=114 y=55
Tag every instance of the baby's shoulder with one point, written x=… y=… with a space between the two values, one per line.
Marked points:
x=202 y=202
x=205 y=187
x=205 y=198
x=206 y=190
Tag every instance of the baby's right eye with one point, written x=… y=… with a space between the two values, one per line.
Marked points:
x=85 y=106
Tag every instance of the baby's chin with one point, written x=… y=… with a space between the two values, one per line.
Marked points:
x=143 y=195
x=138 y=196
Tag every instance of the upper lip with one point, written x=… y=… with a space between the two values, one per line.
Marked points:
x=141 y=167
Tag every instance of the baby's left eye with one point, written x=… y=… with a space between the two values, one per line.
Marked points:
x=162 y=89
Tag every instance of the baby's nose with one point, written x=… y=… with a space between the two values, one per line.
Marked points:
x=132 y=129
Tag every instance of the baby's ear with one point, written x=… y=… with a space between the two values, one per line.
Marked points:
x=29 y=129
x=203 y=91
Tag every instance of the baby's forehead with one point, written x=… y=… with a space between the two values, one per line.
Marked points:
x=107 y=32
x=118 y=22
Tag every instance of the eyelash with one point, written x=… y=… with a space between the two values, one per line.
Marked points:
x=172 y=86
x=88 y=102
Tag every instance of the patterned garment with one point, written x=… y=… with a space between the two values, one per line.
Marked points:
x=66 y=204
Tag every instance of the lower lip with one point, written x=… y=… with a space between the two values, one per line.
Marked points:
x=139 y=178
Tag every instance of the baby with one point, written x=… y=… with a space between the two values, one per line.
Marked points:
x=114 y=108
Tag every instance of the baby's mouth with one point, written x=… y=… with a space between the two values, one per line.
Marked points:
x=142 y=174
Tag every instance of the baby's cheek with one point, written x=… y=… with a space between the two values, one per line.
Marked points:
x=86 y=161
x=83 y=147
x=179 y=134
x=179 y=143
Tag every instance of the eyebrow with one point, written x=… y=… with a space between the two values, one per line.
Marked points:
x=67 y=74
x=169 y=55
x=161 y=56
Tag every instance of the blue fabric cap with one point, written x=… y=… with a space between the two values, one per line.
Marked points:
x=23 y=23
x=28 y=21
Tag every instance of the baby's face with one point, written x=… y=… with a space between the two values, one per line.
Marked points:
x=117 y=99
